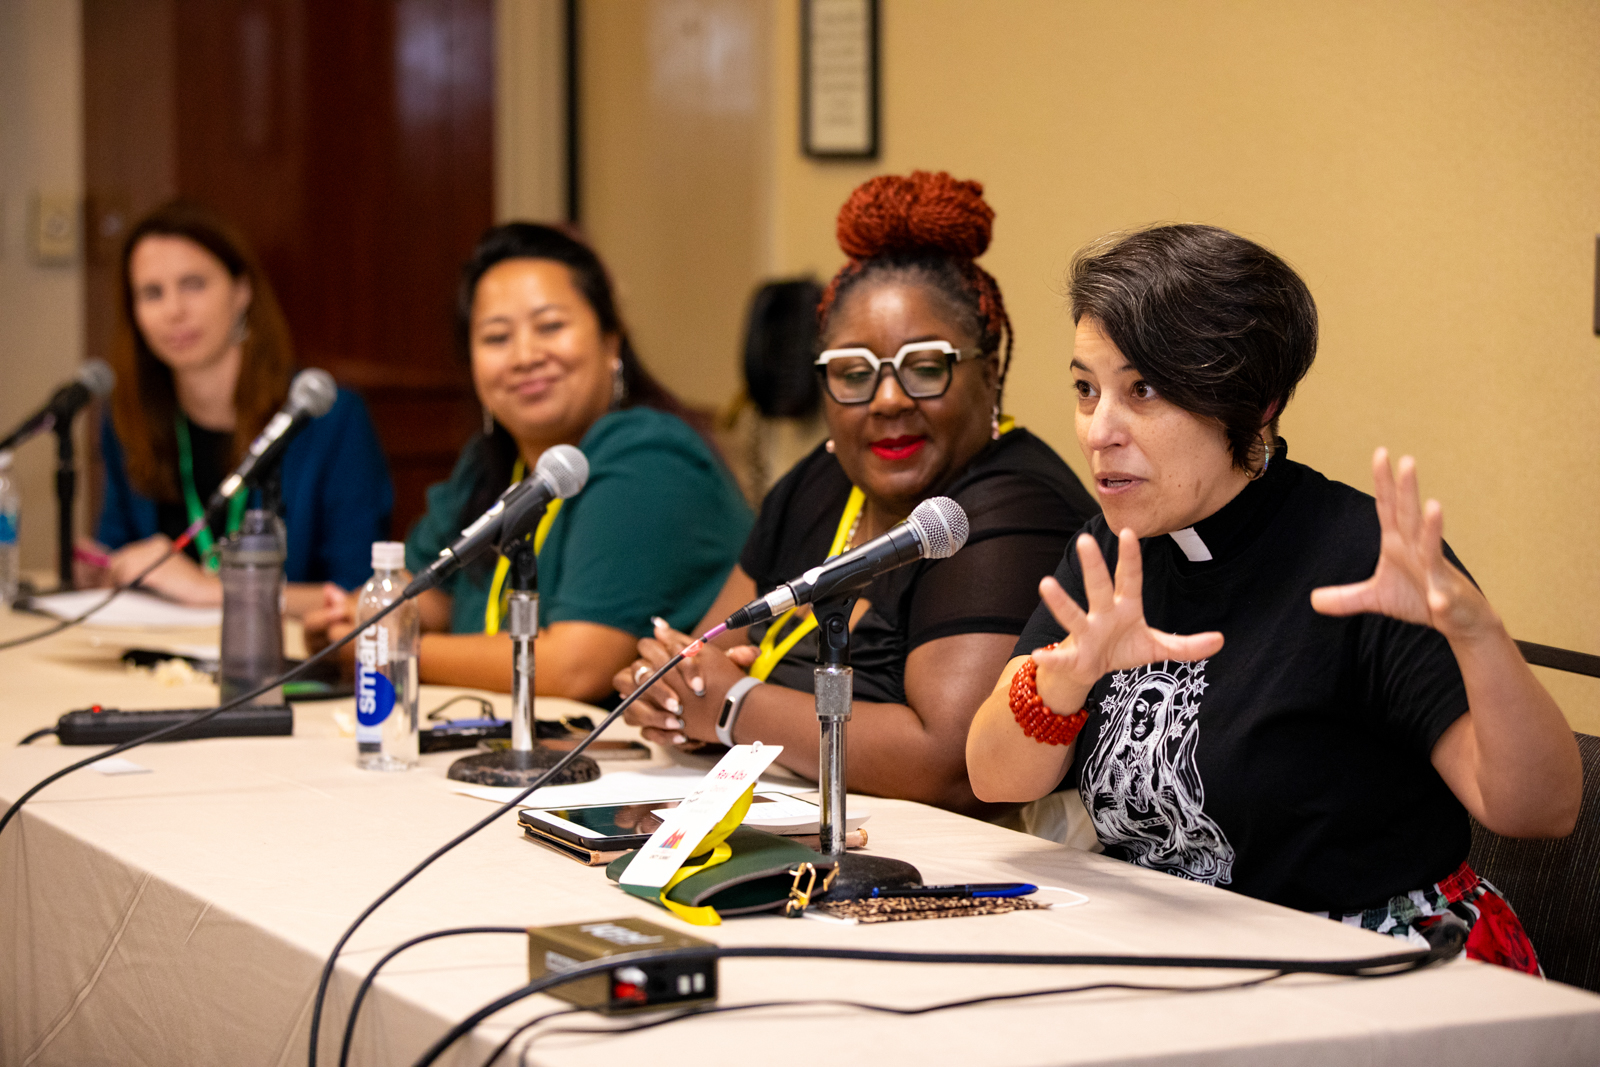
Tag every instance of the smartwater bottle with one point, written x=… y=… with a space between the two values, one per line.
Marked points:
x=10 y=512
x=252 y=607
x=386 y=667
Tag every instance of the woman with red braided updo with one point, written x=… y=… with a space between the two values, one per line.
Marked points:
x=916 y=347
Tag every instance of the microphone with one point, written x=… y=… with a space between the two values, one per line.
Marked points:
x=311 y=395
x=93 y=380
x=560 y=473
x=935 y=530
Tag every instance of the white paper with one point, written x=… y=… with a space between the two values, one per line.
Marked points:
x=118 y=765
x=619 y=787
x=134 y=609
x=687 y=825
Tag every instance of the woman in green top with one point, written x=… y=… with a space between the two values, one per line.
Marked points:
x=655 y=530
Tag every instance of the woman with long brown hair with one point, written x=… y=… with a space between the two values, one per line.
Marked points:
x=203 y=359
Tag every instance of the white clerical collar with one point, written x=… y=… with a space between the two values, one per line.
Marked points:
x=1194 y=548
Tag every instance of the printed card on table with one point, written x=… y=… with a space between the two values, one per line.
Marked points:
x=686 y=825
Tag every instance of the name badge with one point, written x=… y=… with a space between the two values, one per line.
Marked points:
x=686 y=826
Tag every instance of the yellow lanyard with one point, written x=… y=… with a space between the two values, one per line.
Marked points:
x=499 y=595
x=771 y=649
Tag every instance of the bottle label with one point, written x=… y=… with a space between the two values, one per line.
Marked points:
x=8 y=527
x=374 y=690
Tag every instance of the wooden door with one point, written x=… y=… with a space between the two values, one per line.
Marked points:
x=351 y=141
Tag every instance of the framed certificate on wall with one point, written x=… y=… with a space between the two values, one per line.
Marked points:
x=839 y=79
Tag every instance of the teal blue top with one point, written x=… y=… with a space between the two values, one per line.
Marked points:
x=655 y=531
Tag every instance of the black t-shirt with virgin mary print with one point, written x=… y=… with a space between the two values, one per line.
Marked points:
x=1293 y=765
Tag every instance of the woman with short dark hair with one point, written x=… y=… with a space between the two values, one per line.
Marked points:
x=1367 y=697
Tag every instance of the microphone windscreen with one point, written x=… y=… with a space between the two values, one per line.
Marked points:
x=940 y=525
x=96 y=376
x=564 y=468
x=313 y=392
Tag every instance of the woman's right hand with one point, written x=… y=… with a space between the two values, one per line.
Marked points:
x=1112 y=635
x=91 y=564
x=178 y=578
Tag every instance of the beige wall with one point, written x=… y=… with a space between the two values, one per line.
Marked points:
x=674 y=175
x=41 y=308
x=1432 y=168
x=530 y=158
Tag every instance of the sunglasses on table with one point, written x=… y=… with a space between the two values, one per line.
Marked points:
x=923 y=369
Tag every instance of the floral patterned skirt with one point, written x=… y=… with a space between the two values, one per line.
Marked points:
x=1496 y=933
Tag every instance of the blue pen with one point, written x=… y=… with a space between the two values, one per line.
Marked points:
x=974 y=889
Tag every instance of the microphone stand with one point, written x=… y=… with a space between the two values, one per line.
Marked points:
x=525 y=760
x=833 y=688
x=66 y=492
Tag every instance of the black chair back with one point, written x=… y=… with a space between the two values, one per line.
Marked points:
x=1554 y=885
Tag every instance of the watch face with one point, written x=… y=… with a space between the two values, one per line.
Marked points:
x=727 y=710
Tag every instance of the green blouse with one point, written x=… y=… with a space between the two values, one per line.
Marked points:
x=655 y=531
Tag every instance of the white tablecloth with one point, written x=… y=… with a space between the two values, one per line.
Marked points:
x=182 y=916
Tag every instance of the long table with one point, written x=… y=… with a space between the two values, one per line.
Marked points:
x=181 y=916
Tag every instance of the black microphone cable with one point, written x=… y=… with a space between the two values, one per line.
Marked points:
x=372 y=975
x=560 y=765
x=1450 y=939
x=204 y=716
x=857 y=1005
x=116 y=591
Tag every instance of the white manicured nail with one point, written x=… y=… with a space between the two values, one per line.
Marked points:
x=672 y=704
x=678 y=739
x=674 y=723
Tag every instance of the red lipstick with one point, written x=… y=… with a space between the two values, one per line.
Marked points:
x=897 y=448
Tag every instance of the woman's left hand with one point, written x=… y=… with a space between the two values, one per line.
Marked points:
x=179 y=578
x=1413 y=582
x=697 y=686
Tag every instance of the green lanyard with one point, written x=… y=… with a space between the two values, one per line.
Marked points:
x=203 y=541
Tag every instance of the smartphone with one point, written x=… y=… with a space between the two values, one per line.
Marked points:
x=610 y=827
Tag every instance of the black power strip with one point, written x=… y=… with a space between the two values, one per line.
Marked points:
x=110 y=726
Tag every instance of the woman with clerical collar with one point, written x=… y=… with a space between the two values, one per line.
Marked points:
x=916 y=346
x=1285 y=690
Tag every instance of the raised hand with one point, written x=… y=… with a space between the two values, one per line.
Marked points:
x=1413 y=581
x=1112 y=635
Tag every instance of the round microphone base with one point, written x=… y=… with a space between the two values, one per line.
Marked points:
x=859 y=874
x=509 y=767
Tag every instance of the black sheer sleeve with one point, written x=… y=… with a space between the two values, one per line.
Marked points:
x=1020 y=529
x=797 y=521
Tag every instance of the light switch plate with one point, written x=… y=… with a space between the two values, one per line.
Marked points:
x=54 y=233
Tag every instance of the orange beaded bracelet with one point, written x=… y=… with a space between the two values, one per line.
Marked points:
x=1036 y=720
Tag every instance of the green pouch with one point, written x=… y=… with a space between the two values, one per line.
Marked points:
x=766 y=872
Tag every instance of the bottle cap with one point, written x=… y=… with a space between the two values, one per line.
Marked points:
x=388 y=555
